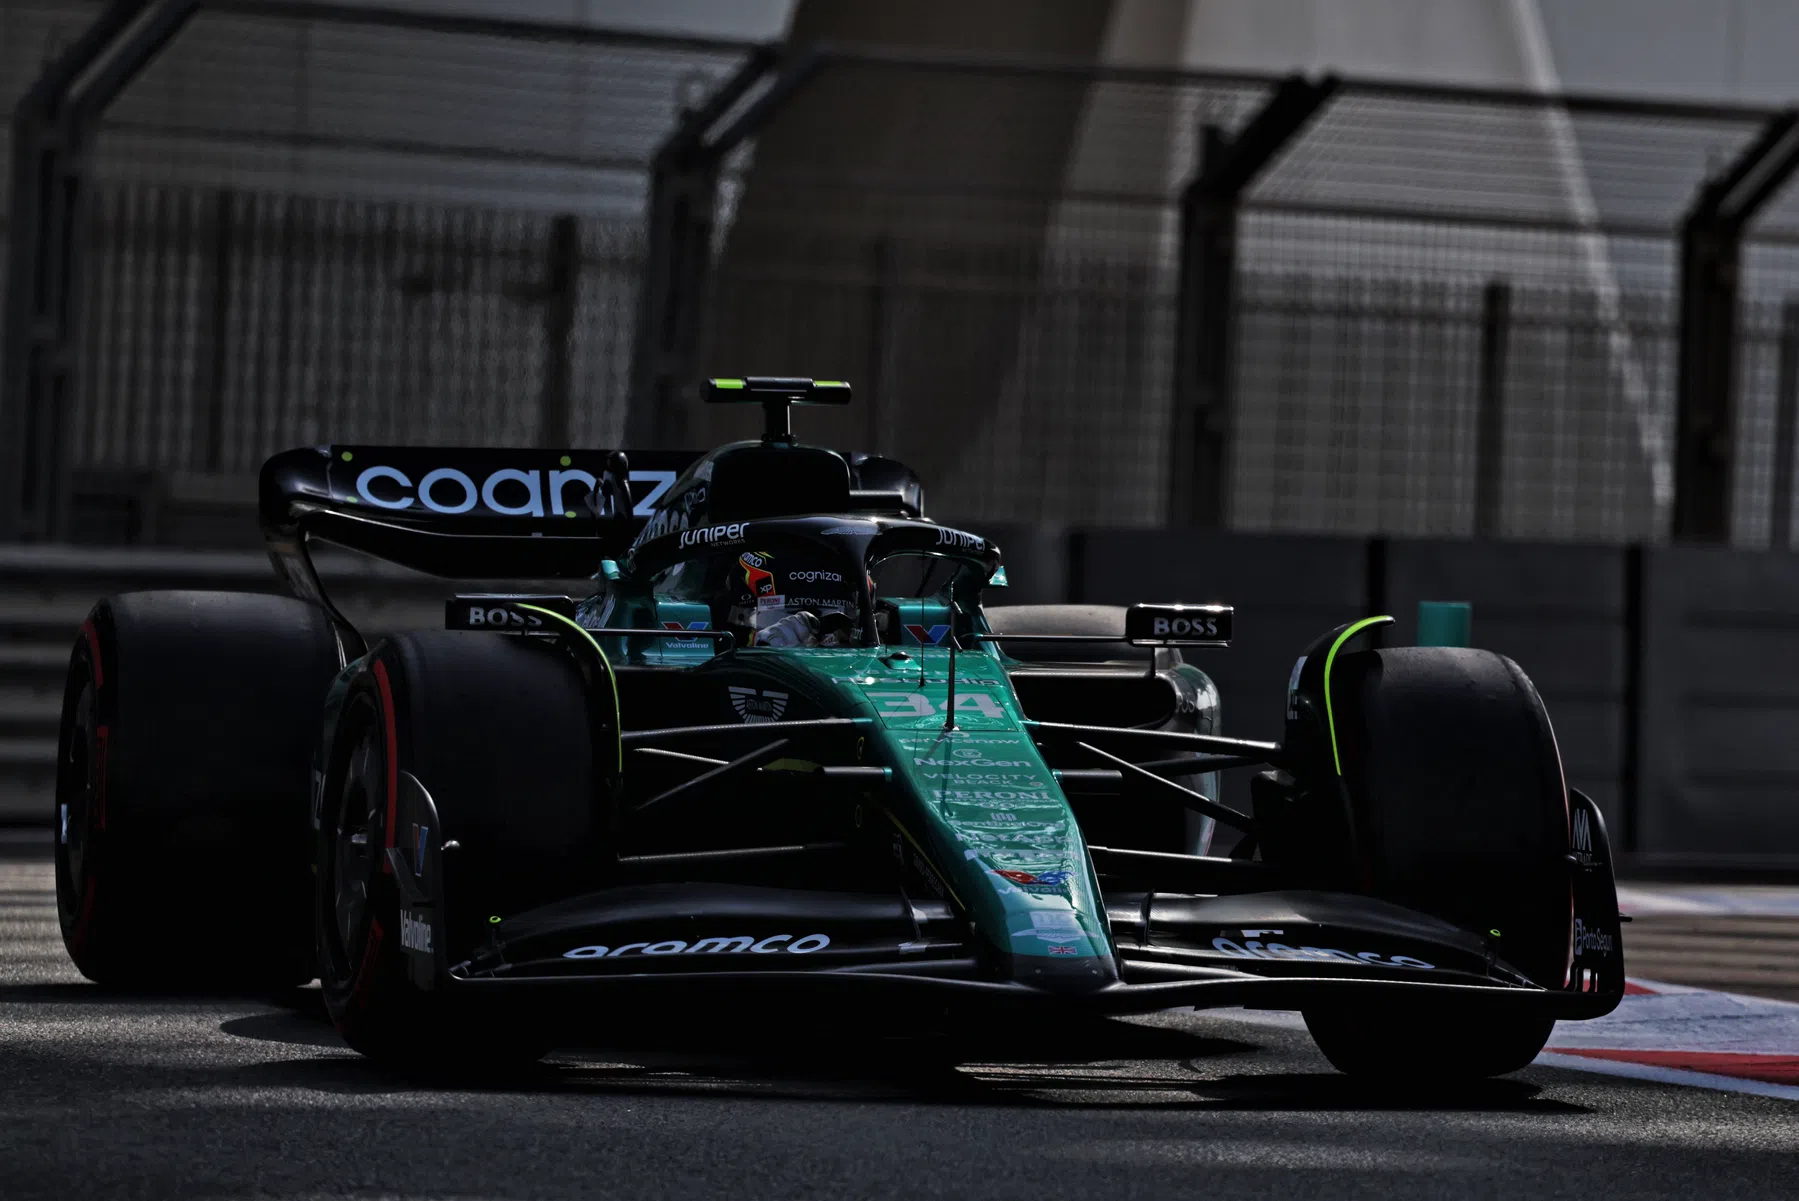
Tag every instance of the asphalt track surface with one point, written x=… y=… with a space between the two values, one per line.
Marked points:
x=105 y=1096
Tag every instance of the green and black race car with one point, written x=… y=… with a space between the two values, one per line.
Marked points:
x=789 y=750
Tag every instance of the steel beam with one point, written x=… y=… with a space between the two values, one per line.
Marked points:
x=52 y=128
x=1711 y=243
x=1199 y=485
x=1489 y=443
x=683 y=206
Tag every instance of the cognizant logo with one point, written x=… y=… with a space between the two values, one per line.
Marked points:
x=509 y=492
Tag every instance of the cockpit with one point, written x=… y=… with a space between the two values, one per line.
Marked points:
x=828 y=581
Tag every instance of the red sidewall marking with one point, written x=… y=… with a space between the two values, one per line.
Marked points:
x=392 y=737
x=365 y=970
x=93 y=650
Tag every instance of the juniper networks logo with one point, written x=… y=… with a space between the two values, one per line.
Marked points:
x=752 y=705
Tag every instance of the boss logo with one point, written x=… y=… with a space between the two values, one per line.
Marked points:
x=1178 y=625
x=504 y=612
x=502 y=619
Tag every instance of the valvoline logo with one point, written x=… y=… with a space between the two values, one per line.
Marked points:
x=927 y=635
x=1054 y=881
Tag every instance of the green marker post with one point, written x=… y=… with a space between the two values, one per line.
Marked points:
x=1445 y=623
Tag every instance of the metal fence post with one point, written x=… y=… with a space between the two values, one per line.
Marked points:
x=217 y=361
x=671 y=304
x=1711 y=243
x=51 y=125
x=1489 y=445
x=1198 y=483
x=880 y=315
x=1786 y=423
x=561 y=293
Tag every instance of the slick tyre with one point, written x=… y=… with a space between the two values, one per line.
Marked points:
x=184 y=769
x=1461 y=812
x=1399 y=1044
x=496 y=730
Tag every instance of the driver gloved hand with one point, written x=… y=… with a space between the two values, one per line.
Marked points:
x=796 y=629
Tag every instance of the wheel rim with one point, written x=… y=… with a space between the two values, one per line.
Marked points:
x=75 y=804
x=355 y=847
x=80 y=805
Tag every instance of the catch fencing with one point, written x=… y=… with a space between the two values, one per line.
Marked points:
x=1065 y=293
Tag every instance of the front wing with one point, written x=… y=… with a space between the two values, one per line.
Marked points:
x=665 y=943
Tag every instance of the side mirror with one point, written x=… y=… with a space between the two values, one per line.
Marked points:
x=1178 y=625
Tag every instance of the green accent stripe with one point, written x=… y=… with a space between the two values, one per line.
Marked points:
x=726 y=383
x=617 y=717
x=1330 y=719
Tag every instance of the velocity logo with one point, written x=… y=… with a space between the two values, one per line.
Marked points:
x=753 y=706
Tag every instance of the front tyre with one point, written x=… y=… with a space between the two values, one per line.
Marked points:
x=497 y=731
x=1411 y=1044
x=1462 y=813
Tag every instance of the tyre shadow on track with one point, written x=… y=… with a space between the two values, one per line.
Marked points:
x=1094 y=1064
x=86 y=993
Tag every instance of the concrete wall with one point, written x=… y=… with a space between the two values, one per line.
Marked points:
x=1709 y=727
x=1287 y=591
x=1557 y=611
x=1720 y=744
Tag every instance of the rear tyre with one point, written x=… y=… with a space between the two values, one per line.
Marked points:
x=1462 y=813
x=184 y=770
x=496 y=729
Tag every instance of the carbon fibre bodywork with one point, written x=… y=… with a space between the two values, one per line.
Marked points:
x=995 y=897
x=912 y=815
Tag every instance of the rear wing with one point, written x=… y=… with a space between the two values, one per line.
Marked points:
x=465 y=513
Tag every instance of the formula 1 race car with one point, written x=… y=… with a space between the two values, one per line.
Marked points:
x=783 y=750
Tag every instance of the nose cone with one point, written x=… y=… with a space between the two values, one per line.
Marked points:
x=1070 y=976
